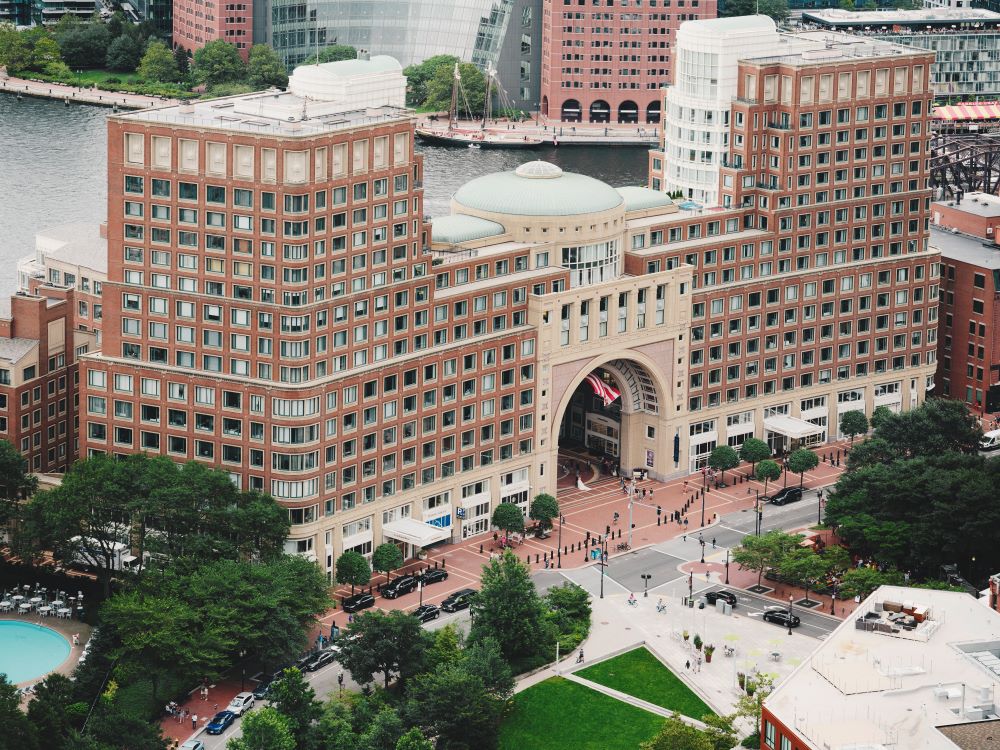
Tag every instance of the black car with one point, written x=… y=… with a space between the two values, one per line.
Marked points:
x=727 y=596
x=263 y=688
x=434 y=575
x=781 y=617
x=785 y=496
x=358 y=601
x=460 y=599
x=321 y=659
x=402 y=585
x=426 y=612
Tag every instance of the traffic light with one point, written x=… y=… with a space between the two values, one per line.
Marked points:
x=659 y=510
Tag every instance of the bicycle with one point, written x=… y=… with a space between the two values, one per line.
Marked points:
x=623 y=547
x=632 y=602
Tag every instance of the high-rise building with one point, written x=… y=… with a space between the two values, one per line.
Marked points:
x=606 y=63
x=276 y=305
x=198 y=22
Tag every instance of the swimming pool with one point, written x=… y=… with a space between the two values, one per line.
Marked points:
x=28 y=651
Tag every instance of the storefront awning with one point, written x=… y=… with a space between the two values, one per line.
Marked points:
x=414 y=532
x=791 y=427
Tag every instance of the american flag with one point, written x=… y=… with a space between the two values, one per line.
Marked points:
x=603 y=390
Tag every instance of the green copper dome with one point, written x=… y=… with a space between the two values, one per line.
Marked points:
x=538 y=189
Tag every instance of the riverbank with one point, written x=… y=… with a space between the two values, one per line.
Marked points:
x=71 y=94
x=558 y=134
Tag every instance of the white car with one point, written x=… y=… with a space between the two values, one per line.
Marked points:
x=193 y=745
x=241 y=703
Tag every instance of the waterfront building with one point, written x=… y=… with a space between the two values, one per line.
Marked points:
x=505 y=35
x=607 y=63
x=276 y=304
x=965 y=41
x=965 y=230
x=16 y=12
x=48 y=12
x=911 y=668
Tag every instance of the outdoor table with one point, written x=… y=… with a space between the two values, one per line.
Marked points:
x=17 y=597
x=45 y=610
x=25 y=607
x=6 y=605
x=65 y=612
x=36 y=600
x=775 y=656
x=57 y=603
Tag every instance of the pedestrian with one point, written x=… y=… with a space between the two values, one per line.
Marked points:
x=215 y=708
x=713 y=542
x=76 y=639
x=194 y=721
x=685 y=523
x=687 y=664
x=684 y=538
x=579 y=658
x=350 y=619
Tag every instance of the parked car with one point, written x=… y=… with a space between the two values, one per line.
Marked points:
x=240 y=703
x=990 y=441
x=785 y=496
x=460 y=599
x=402 y=585
x=321 y=658
x=358 y=601
x=433 y=576
x=220 y=722
x=193 y=745
x=781 y=617
x=727 y=596
x=263 y=688
x=427 y=612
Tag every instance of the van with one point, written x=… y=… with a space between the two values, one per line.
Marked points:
x=990 y=441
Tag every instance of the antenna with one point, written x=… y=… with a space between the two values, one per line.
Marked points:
x=316 y=45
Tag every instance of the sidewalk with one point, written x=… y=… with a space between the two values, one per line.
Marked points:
x=219 y=695
x=45 y=90
x=564 y=134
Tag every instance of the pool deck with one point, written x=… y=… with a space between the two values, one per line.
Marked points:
x=66 y=628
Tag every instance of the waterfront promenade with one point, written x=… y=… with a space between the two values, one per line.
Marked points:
x=554 y=133
x=74 y=94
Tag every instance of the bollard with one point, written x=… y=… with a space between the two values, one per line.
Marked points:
x=480 y=549
x=657 y=520
x=536 y=557
x=565 y=551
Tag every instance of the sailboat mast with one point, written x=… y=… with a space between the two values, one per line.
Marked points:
x=489 y=91
x=453 y=112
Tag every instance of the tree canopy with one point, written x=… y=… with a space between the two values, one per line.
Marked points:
x=760 y=553
x=508 y=607
x=17 y=483
x=853 y=423
x=159 y=63
x=219 y=62
x=543 y=509
x=418 y=75
x=387 y=558
x=801 y=461
x=508 y=516
x=776 y=9
x=722 y=458
x=265 y=69
x=353 y=570
x=393 y=645
x=333 y=53
x=264 y=729
x=675 y=734
x=767 y=471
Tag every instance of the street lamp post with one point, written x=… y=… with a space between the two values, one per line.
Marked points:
x=243 y=671
x=690 y=585
x=790 y=600
x=645 y=585
x=602 y=547
x=727 y=567
x=819 y=507
x=702 y=542
x=420 y=588
x=703 y=509
x=833 y=597
x=559 y=549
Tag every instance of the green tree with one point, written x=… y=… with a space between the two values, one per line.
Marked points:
x=805 y=568
x=936 y=427
x=45 y=57
x=417 y=77
x=219 y=62
x=472 y=94
x=508 y=608
x=17 y=483
x=749 y=707
x=265 y=69
x=722 y=458
x=447 y=646
x=393 y=645
x=776 y=9
x=333 y=53
x=801 y=461
x=383 y=731
x=125 y=52
x=853 y=423
x=767 y=471
x=295 y=699
x=387 y=558
x=82 y=45
x=159 y=63
x=862 y=581
x=847 y=5
x=414 y=740
x=543 y=509
x=484 y=659
x=18 y=731
x=51 y=709
x=353 y=570
x=183 y=59
x=508 y=517
x=453 y=705
x=719 y=731
x=675 y=734
x=264 y=729
x=163 y=635
x=754 y=450
x=759 y=553
x=15 y=50
x=881 y=416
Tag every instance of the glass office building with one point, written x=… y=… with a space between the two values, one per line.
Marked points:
x=504 y=34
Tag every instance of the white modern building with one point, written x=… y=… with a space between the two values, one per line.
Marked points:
x=696 y=108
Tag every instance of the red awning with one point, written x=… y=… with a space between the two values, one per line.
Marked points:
x=969 y=111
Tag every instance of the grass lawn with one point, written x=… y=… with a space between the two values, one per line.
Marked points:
x=640 y=674
x=98 y=77
x=560 y=715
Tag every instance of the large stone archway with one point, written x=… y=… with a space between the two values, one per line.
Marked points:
x=643 y=436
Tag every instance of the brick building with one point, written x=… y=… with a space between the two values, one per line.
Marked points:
x=276 y=305
x=198 y=22
x=969 y=346
x=606 y=62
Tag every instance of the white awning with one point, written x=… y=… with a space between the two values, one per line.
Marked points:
x=791 y=426
x=414 y=532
